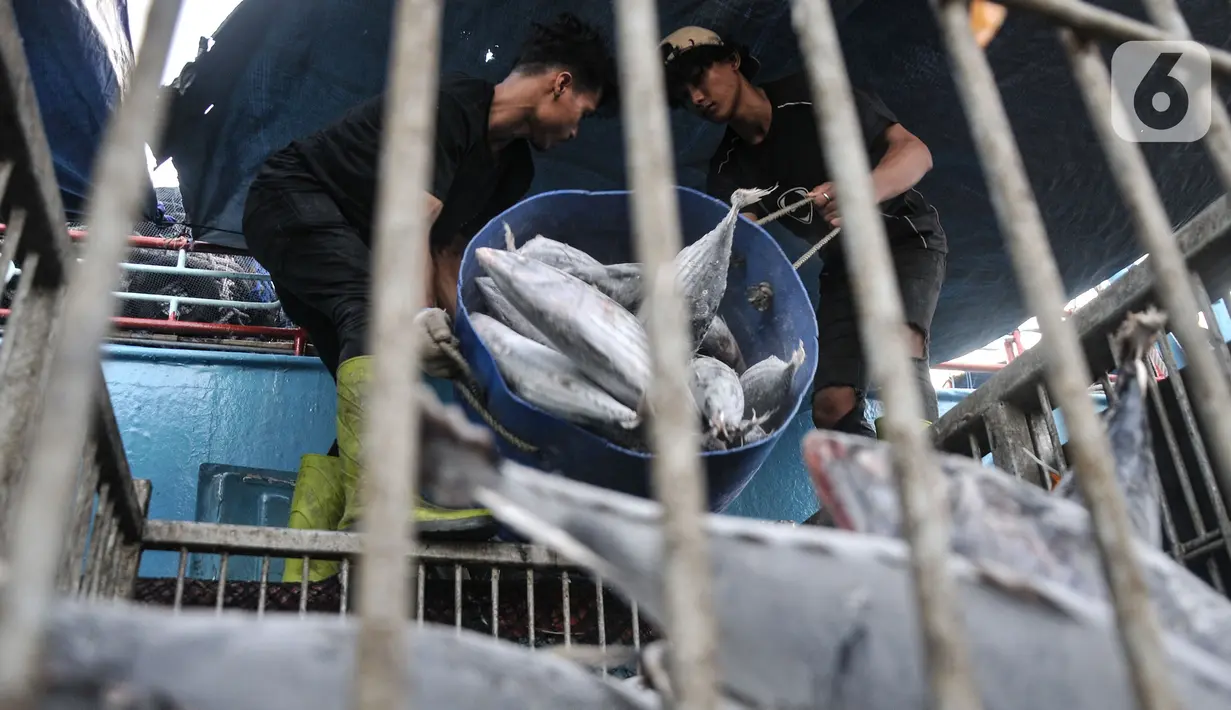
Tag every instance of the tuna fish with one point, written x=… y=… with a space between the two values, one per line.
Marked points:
x=853 y=639
x=717 y=392
x=768 y=383
x=549 y=380
x=557 y=254
x=622 y=282
x=113 y=655
x=607 y=343
x=701 y=267
x=499 y=308
x=720 y=343
x=1003 y=521
x=1128 y=426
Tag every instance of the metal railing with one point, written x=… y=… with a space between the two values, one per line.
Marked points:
x=56 y=404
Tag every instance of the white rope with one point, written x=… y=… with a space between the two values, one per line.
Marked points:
x=772 y=216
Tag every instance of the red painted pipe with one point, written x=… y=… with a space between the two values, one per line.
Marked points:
x=297 y=335
x=169 y=243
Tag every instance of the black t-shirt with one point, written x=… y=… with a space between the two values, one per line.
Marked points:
x=473 y=183
x=792 y=157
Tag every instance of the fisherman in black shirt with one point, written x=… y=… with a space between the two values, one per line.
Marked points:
x=772 y=139
x=309 y=214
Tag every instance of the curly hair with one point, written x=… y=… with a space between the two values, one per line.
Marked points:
x=570 y=44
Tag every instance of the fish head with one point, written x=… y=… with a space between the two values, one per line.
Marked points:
x=853 y=478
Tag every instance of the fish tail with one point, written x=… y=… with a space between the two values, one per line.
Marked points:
x=797 y=357
x=1136 y=335
x=744 y=197
x=509 y=243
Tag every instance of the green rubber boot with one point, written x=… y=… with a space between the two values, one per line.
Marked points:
x=881 y=436
x=431 y=521
x=316 y=505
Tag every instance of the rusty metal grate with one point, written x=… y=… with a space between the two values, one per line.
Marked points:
x=57 y=416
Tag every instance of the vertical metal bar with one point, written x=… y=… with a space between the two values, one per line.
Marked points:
x=602 y=620
x=303 y=586
x=676 y=466
x=391 y=430
x=530 y=605
x=344 y=594
x=69 y=579
x=457 y=598
x=1049 y=418
x=566 y=609
x=495 y=602
x=127 y=559
x=1132 y=176
x=263 y=586
x=1217 y=341
x=40 y=517
x=180 y=572
x=878 y=303
x=976 y=452
x=1184 y=404
x=220 y=595
x=1068 y=374
x=419 y=593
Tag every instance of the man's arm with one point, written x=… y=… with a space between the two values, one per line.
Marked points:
x=906 y=160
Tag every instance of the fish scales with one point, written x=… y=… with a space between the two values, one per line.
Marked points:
x=853 y=639
x=701 y=267
x=607 y=343
x=548 y=379
x=719 y=342
x=202 y=661
x=556 y=253
x=716 y=390
x=502 y=310
x=1001 y=520
x=768 y=383
x=622 y=282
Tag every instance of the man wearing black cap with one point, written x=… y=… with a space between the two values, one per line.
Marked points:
x=772 y=139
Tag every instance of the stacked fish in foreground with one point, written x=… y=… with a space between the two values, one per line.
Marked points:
x=568 y=336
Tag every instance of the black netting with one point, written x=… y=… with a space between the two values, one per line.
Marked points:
x=145 y=275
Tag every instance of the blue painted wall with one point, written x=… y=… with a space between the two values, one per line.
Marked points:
x=178 y=409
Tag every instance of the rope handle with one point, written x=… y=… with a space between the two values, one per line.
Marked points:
x=774 y=216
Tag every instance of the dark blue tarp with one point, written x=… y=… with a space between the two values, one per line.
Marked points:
x=282 y=68
x=78 y=52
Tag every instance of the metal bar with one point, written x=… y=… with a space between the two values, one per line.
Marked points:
x=878 y=302
x=72 y=375
x=1083 y=16
x=113 y=464
x=676 y=466
x=128 y=556
x=190 y=328
x=184 y=271
x=189 y=300
x=1067 y=372
x=391 y=428
x=1212 y=394
x=327 y=544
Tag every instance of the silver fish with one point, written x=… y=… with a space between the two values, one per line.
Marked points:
x=767 y=383
x=499 y=308
x=233 y=661
x=548 y=379
x=754 y=434
x=622 y=282
x=716 y=390
x=606 y=342
x=1000 y=520
x=555 y=253
x=701 y=267
x=852 y=640
x=720 y=343
x=1128 y=427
